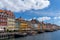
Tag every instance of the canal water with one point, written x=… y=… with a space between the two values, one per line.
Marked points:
x=42 y=36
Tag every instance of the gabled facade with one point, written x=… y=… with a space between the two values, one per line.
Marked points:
x=7 y=20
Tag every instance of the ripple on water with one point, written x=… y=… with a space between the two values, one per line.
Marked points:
x=43 y=36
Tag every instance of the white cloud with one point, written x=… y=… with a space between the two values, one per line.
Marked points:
x=40 y=18
x=57 y=17
x=43 y=18
x=19 y=5
x=34 y=18
x=31 y=18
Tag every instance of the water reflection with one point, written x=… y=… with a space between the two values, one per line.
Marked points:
x=43 y=36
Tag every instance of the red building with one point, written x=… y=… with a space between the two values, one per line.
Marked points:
x=4 y=15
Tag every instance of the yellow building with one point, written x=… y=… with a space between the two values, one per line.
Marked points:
x=44 y=26
x=10 y=21
x=22 y=24
x=11 y=24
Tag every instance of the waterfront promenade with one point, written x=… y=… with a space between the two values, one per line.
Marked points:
x=5 y=35
x=42 y=36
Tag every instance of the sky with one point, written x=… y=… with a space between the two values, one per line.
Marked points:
x=42 y=10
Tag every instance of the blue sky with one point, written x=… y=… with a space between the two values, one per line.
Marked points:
x=53 y=10
x=49 y=11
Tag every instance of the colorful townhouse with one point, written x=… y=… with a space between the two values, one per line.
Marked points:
x=34 y=24
x=38 y=26
x=21 y=24
x=7 y=20
x=49 y=27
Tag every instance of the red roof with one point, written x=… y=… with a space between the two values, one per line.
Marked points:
x=2 y=11
x=7 y=12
